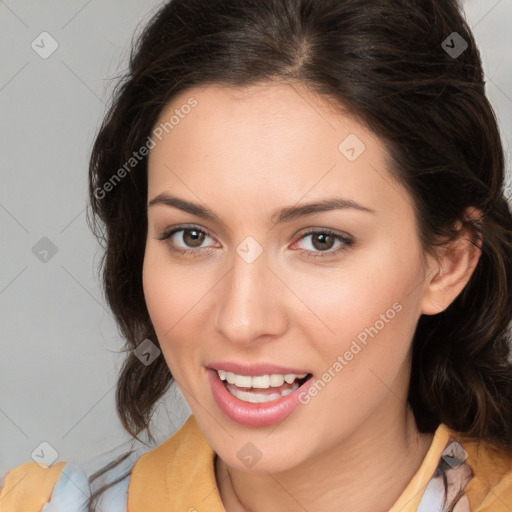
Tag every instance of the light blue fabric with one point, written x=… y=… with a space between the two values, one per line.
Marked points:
x=115 y=498
x=71 y=492
x=451 y=476
x=72 y=489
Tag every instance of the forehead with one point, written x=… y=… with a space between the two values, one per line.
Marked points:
x=277 y=113
x=278 y=142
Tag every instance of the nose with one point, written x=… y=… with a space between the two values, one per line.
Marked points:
x=251 y=302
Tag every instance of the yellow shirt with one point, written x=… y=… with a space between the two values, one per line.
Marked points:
x=180 y=473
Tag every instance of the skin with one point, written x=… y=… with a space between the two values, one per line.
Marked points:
x=245 y=153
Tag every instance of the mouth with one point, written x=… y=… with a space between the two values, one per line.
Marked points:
x=262 y=388
x=257 y=395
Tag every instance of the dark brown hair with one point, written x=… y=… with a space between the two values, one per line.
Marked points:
x=385 y=62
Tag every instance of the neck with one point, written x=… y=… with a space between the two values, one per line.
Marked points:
x=381 y=456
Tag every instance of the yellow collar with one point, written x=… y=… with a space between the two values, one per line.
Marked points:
x=180 y=473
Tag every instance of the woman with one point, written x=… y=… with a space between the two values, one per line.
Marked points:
x=302 y=204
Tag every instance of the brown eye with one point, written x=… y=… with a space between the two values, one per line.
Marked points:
x=322 y=241
x=193 y=237
x=188 y=243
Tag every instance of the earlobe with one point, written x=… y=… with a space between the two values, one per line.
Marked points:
x=451 y=271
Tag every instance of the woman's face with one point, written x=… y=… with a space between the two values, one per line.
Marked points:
x=244 y=287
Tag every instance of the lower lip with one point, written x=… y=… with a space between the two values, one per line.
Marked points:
x=254 y=415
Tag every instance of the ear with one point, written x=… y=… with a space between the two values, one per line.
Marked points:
x=448 y=274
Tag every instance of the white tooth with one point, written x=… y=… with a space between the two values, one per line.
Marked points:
x=230 y=377
x=254 y=398
x=288 y=391
x=243 y=381
x=261 y=382
x=276 y=380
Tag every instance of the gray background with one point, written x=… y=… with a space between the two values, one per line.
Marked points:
x=60 y=345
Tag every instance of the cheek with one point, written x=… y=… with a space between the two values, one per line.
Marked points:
x=373 y=315
x=166 y=301
x=174 y=296
x=366 y=310
x=157 y=291
x=169 y=290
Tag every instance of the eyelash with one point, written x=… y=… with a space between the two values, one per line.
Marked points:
x=346 y=242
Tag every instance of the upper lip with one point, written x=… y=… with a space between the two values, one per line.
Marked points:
x=254 y=369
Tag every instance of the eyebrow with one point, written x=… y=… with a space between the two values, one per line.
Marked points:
x=286 y=214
